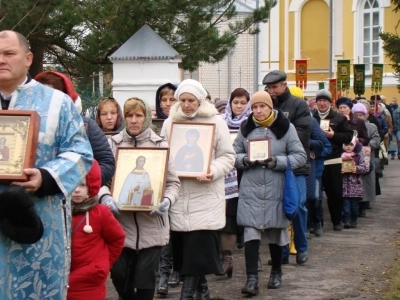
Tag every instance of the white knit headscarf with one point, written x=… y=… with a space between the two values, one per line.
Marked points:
x=196 y=89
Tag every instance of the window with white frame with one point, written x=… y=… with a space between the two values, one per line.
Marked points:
x=371 y=27
x=191 y=75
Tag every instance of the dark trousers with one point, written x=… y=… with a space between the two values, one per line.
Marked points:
x=350 y=210
x=332 y=182
x=166 y=260
x=136 y=269
x=252 y=251
x=314 y=205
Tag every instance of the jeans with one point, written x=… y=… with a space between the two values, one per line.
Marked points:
x=350 y=210
x=299 y=221
x=397 y=134
x=315 y=204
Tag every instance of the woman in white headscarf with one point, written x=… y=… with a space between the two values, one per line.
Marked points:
x=200 y=209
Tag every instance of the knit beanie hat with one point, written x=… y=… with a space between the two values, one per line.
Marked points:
x=261 y=97
x=68 y=87
x=359 y=108
x=323 y=94
x=312 y=103
x=192 y=87
x=221 y=104
x=131 y=102
x=296 y=91
x=365 y=103
x=345 y=101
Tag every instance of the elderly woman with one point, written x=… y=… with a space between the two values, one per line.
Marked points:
x=261 y=188
x=360 y=111
x=200 y=211
x=344 y=106
x=134 y=273
x=109 y=115
x=237 y=111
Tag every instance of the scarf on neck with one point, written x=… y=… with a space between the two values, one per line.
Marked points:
x=268 y=121
x=234 y=122
x=84 y=206
x=325 y=114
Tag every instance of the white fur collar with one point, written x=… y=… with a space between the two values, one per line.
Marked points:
x=205 y=111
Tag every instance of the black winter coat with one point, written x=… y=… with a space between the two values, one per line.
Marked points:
x=298 y=113
x=343 y=132
x=101 y=149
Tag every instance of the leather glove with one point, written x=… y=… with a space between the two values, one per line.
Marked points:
x=269 y=163
x=162 y=208
x=109 y=201
x=248 y=163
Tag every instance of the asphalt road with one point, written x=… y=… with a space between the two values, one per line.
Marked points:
x=351 y=264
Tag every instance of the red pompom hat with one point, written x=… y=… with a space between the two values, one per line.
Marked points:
x=93 y=179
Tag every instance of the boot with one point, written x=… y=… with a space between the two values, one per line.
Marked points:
x=227 y=265
x=292 y=248
x=251 y=287
x=174 y=279
x=202 y=292
x=275 y=279
x=189 y=287
x=163 y=284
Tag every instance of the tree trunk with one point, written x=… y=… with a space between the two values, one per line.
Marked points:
x=37 y=48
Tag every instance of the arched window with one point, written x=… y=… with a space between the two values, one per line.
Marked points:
x=371 y=26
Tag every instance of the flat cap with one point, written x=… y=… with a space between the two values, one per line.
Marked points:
x=274 y=77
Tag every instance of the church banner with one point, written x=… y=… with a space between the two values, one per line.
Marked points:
x=321 y=85
x=377 y=77
x=301 y=73
x=343 y=74
x=359 y=79
x=333 y=89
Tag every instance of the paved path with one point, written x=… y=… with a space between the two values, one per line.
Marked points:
x=350 y=264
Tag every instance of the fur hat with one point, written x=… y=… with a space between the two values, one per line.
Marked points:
x=93 y=179
x=19 y=220
x=323 y=94
x=345 y=101
x=192 y=87
x=67 y=89
x=261 y=97
x=359 y=108
x=221 y=104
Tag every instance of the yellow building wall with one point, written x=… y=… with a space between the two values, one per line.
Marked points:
x=348 y=33
x=282 y=17
x=390 y=22
x=315 y=34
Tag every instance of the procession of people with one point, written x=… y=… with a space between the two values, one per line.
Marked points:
x=221 y=184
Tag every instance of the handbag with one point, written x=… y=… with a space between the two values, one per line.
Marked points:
x=291 y=193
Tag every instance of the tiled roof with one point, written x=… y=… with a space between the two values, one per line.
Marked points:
x=145 y=44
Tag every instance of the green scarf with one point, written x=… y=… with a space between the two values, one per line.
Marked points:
x=84 y=206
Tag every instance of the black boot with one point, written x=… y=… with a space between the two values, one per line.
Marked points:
x=189 y=287
x=202 y=292
x=174 y=279
x=251 y=287
x=163 y=284
x=275 y=279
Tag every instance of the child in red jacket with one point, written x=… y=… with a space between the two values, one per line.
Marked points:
x=97 y=240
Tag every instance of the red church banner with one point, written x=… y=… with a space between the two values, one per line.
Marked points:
x=301 y=73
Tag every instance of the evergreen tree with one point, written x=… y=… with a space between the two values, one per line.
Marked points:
x=391 y=45
x=80 y=35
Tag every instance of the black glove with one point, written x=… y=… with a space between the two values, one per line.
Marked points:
x=248 y=163
x=19 y=220
x=269 y=163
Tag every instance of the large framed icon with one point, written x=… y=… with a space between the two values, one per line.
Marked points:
x=19 y=133
x=191 y=147
x=140 y=177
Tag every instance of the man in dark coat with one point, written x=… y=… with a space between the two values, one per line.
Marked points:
x=338 y=133
x=298 y=113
